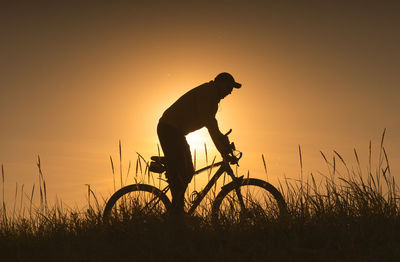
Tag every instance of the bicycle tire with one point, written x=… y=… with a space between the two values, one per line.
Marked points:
x=263 y=210
x=157 y=194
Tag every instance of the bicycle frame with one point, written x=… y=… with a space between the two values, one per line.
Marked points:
x=223 y=167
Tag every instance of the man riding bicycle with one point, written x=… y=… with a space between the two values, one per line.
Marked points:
x=194 y=110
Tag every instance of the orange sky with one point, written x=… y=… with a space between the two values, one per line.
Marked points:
x=76 y=78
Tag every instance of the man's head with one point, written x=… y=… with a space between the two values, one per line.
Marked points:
x=225 y=84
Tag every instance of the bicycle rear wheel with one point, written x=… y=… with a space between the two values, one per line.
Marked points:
x=135 y=201
x=250 y=201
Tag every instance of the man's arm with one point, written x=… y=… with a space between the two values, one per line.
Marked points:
x=221 y=142
x=207 y=106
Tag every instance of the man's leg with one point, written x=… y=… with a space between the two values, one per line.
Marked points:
x=179 y=166
x=188 y=163
x=184 y=175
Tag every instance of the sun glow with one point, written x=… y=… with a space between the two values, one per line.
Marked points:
x=198 y=140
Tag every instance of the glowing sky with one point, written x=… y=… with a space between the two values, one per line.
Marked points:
x=76 y=78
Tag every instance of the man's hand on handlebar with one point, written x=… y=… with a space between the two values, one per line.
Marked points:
x=232 y=156
x=231 y=159
x=229 y=149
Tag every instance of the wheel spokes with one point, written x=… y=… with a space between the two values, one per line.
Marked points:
x=248 y=204
x=137 y=204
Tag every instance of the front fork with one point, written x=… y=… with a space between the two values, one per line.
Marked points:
x=238 y=181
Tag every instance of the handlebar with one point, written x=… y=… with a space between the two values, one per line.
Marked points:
x=240 y=154
x=233 y=159
x=230 y=131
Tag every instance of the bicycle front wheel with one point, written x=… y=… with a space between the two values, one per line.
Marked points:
x=136 y=201
x=250 y=201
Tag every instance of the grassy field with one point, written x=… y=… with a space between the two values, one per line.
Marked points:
x=347 y=216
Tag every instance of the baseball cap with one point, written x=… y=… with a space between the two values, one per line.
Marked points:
x=227 y=78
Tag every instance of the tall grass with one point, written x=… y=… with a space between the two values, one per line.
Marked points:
x=354 y=194
x=348 y=213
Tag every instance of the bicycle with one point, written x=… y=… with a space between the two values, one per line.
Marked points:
x=241 y=199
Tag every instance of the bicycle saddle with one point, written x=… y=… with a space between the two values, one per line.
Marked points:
x=160 y=159
x=158 y=164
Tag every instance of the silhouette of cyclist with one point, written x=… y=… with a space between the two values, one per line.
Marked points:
x=194 y=110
